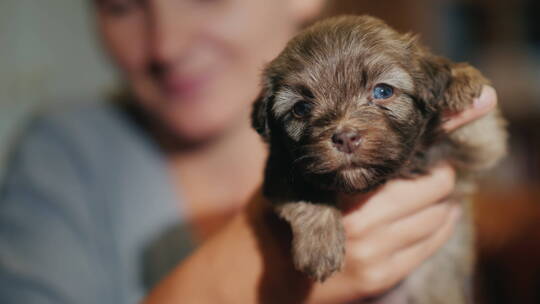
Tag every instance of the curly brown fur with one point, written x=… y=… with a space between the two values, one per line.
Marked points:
x=333 y=67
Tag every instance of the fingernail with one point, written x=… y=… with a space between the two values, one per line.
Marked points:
x=480 y=103
x=484 y=100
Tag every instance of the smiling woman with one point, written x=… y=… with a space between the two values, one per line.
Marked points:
x=104 y=201
x=188 y=59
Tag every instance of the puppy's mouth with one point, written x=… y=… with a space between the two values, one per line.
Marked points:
x=327 y=163
x=349 y=178
x=359 y=171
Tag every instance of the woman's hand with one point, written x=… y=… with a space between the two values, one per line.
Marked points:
x=391 y=231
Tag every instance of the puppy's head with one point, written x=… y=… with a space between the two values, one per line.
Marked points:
x=349 y=100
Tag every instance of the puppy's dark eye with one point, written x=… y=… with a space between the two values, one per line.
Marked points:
x=301 y=109
x=382 y=91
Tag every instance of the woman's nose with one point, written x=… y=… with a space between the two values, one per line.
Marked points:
x=170 y=31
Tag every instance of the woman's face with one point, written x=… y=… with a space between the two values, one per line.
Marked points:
x=195 y=64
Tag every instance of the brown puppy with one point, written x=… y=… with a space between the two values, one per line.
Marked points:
x=349 y=104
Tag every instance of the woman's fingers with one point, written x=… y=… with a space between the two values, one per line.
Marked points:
x=379 y=276
x=384 y=242
x=481 y=106
x=399 y=198
x=379 y=268
x=410 y=258
x=411 y=230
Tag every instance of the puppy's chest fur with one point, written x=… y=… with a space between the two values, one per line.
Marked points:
x=350 y=104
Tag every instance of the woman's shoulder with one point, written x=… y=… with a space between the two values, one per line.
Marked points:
x=93 y=131
x=84 y=121
x=93 y=144
x=69 y=144
x=81 y=176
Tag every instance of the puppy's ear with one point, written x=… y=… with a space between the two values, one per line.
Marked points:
x=260 y=112
x=465 y=85
x=479 y=144
x=448 y=86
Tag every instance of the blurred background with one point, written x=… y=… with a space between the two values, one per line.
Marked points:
x=49 y=53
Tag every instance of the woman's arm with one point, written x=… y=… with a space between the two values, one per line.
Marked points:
x=228 y=268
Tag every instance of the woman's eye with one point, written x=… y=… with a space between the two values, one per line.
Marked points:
x=118 y=8
x=383 y=91
x=301 y=109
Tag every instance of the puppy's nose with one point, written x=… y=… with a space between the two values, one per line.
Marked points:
x=346 y=141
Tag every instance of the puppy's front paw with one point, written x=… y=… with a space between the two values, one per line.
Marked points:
x=319 y=254
x=318 y=247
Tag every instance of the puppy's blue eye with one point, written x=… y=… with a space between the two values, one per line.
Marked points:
x=382 y=91
x=301 y=109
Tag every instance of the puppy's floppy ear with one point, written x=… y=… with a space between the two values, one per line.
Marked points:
x=465 y=85
x=260 y=112
x=448 y=86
